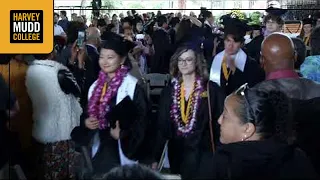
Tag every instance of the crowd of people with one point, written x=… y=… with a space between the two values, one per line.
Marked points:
x=242 y=101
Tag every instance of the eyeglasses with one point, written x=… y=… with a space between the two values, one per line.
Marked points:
x=187 y=61
x=241 y=91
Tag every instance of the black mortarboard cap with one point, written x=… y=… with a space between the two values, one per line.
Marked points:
x=233 y=25
x=117 y=43
x=308 y=21
x=276 y=11
x=206 y=14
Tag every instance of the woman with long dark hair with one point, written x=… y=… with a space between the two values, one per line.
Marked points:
x=257 y=133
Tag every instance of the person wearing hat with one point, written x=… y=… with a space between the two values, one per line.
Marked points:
x=254 y=47
x=233 y=67
x=306 y=32
x=114 y=142
x=273 y=21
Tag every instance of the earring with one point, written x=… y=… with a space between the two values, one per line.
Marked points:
x=245 y=137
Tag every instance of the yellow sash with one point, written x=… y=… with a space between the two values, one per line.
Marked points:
x=225 y=71
x=306 y=40
x=184 y=114
x=104 y=90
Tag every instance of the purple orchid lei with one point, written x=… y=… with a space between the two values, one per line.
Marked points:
x=175 y=113
x=97 y=109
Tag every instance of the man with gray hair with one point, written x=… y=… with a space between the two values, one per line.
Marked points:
x=88 y=61
x=92 y=44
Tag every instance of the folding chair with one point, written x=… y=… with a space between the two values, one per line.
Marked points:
x=155 y=83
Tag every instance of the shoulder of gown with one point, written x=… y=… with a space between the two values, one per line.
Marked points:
x=133 y=138
x=254 y=73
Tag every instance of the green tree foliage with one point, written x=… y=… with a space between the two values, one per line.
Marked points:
x=136 y=5
x=254 y=18
x=112 y=4
x=239 y=14
x=158 y=5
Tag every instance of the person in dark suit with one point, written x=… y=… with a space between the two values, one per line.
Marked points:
x=278 y=58
x=162 y=47
x=87 y=64
x=233 y=67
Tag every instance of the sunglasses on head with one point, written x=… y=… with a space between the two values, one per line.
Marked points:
x=241 y=91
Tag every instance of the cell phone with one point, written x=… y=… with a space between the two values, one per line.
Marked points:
x=139 y=36
x=81 y=38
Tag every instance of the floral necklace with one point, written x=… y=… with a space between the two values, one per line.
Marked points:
x=103 y=93
x=185 y=119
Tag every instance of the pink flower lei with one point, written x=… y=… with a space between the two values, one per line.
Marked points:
x=97 y=109
x=185 y=129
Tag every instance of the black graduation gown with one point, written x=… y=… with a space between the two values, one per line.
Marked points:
x=209 y=44
x=107 y=156
x=265 y=159
x=252 y=74
x=254 y=47
x=163 y=52
x=184 y=152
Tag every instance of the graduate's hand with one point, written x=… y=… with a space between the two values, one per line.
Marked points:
x=148 y=39
x=74 y=52
x=216 y=42
x=92 y=123
x=115 y=133
x=81 y=57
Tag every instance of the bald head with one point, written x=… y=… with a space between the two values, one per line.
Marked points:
x=93 y=36
x=93 y=31
x=278 y=53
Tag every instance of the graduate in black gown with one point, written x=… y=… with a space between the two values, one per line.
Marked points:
x=208 y=35
x=308 y=24
x=233 y=67
x=273 y=22
x=183 y=116
x=253 y=48
x=162 y=47
x=114 y=141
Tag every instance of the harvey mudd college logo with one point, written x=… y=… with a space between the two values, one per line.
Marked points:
x=26 y=26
